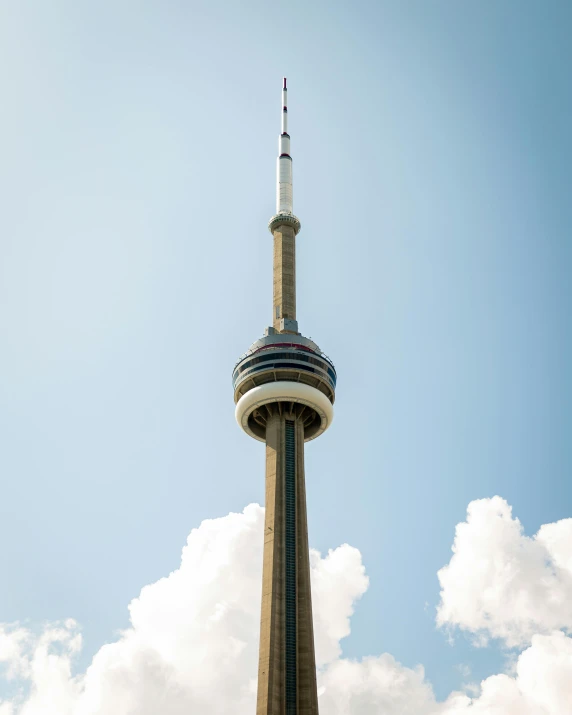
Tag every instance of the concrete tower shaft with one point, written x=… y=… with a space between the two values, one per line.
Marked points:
x=287 y=664
x=284 y=284
x=284 y=390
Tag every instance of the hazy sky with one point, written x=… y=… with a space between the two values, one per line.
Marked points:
x=432 y=176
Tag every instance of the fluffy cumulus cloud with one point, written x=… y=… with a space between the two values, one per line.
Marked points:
x=192 y=643
x=503 y=584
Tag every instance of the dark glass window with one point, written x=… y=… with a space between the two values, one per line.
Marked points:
x=286 y=365
x=267 y=362
x=291 y=355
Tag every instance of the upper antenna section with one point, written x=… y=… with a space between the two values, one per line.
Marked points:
x=284 y=208
x=284 y=203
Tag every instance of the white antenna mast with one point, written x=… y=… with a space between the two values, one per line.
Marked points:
x=284 y=166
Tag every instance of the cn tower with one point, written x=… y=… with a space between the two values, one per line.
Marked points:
x=284 y=388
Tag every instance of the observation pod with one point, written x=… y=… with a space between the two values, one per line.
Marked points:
x=284 y=374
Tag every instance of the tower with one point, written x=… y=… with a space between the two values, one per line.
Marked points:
x=284 y=389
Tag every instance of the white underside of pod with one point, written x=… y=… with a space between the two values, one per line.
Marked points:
x=284 y=392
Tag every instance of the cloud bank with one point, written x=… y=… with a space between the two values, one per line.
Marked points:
x=192 y=644
x=503 y=584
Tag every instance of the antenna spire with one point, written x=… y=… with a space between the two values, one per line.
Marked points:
x=284 y=215
x=284 y=204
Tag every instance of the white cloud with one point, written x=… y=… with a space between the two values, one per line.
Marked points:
x=337 y=581
x=503 y=584
x=542 y=684
x=375 y=686
x=192 y=645
x=193 y=641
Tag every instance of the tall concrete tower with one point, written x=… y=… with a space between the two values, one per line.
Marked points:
x=284 y=390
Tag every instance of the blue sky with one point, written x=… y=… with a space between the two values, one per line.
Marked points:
x=432 y=174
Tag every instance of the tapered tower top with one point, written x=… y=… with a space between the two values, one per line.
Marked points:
x=284 y=196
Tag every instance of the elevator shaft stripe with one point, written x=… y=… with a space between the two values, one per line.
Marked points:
x=290 y=563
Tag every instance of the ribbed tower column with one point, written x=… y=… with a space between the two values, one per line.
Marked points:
x=287 y=664
x=284 y=277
